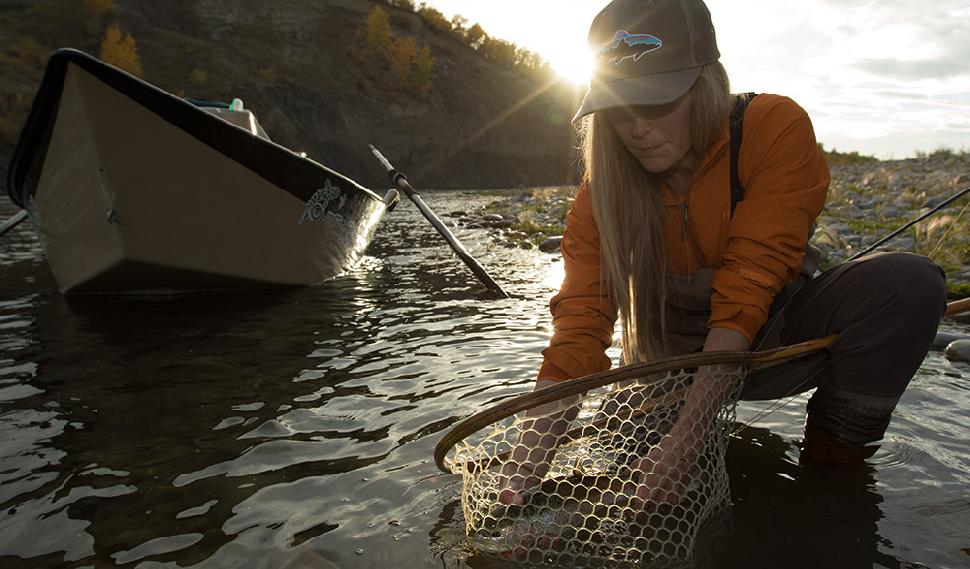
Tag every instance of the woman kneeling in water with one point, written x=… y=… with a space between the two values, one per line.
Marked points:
x=697 y=255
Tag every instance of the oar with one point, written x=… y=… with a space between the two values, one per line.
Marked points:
x=12 y=222
x=401 y=183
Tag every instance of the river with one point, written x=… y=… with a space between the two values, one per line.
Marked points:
x=296 y=428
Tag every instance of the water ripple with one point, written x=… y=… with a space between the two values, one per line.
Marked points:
x=298 y=427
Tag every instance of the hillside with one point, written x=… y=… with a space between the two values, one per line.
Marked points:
x=298 y=65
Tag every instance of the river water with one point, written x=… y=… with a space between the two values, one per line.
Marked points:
x=296 y=428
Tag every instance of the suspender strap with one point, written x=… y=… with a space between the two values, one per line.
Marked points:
x=737 y=129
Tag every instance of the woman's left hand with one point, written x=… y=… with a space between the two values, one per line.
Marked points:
x=663 y=474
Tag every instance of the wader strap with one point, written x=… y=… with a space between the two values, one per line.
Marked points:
x=737 y=127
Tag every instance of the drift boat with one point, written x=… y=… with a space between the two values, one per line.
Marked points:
x=133 y=189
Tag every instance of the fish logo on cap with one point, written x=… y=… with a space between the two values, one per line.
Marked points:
x=625 y=45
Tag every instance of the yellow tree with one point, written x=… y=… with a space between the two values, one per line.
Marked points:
x=423 y=70
x=119 y=50
x=401 y=52
x=377 y=31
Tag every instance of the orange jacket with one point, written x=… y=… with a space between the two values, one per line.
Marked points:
x=757 y=252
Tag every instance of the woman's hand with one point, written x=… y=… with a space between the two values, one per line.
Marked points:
x=664 y=473
x=532 y=454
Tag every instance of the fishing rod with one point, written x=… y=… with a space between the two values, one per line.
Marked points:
x=939 y=206
x=401 y=183
x=13 y=222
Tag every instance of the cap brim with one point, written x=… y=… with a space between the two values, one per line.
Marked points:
x=654 y=89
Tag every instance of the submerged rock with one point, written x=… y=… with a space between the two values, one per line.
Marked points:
x=958 y=351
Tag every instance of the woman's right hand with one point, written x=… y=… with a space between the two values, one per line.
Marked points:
x=540 y=433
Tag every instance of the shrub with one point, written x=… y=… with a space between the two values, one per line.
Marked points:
x=376 y=32
x=199 y=76
x=434 y=18
x=423 y=70
x=401 y=54
x=119 y=50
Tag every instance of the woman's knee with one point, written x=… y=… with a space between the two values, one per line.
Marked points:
x=915 y=283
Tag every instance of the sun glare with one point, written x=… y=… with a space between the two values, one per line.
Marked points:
x=575 y=64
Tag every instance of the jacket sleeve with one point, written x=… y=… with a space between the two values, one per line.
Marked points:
x=786 y=181
x=582 y=313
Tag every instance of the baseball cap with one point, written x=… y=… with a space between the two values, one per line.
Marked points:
x=648 y=52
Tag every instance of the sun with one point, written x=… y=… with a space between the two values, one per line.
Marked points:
x=574 y=64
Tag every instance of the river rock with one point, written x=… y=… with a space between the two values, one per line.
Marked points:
x=551 y=245
x=958 y=351
x=944 y=339
x=492 y=217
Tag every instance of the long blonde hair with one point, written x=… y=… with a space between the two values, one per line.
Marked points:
x=630 y=213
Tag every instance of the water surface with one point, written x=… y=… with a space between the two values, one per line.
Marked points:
x=296 y=428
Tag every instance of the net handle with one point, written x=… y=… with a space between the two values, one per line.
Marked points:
x=583 y=384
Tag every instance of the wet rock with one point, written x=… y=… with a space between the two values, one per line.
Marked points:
x=958 y=351
x=502 y=223
x=944 y=339
x=932 y=202
x=551 y=245
x=492 y=217
x=527 y=245
x=458 y=213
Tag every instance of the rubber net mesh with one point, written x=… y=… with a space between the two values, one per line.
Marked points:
x=625 y=473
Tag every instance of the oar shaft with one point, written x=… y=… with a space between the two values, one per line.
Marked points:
x=958 y=306
x=13 y=221
x=401 y=183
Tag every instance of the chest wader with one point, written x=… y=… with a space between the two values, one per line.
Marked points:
x=688 y=307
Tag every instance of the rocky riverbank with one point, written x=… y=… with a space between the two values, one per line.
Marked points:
x=868 y=199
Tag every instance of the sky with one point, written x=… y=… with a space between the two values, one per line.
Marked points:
x=881 y=77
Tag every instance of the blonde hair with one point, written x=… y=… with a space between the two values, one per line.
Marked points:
x=630 y=213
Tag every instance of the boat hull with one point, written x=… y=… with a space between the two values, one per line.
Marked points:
x=131 y=198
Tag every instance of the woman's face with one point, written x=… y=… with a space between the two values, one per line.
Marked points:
x=657 y=136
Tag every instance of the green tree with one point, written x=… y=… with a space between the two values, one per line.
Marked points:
x=475 y=35
x=119 y=50
x=498 y=51
x=402 y=53
x=376 y=32
x=434 y=18
x=423 y=70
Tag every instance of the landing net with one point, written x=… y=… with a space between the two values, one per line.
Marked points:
x=627 y=472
